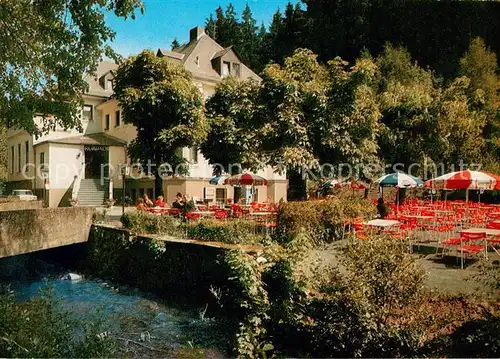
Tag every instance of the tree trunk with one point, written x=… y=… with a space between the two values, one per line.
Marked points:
x=297 y=190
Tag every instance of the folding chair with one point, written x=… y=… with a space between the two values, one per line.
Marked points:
x=470 y=246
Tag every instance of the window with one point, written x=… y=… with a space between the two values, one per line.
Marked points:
x=42 y=161
x=106 y=124
x=12 y=159
x=109 y=84
x=236 y=70
x=193 y=155
x=197 y=61
x=220 y=194
x=226 y=67
x=19 y=157
x=88 y=113
x=118 y=119
x=27 y=152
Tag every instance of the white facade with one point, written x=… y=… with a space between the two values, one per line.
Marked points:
x=68 y=153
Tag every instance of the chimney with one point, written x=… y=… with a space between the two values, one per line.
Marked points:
x=196 y=33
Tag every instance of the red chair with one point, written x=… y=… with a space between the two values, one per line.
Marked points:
x=493 y=225
x=192 y=216
x=359 y=231
x=174 y=211
x=220 y=214
x=470 y=244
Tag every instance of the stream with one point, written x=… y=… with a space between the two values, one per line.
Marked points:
x=145 y=324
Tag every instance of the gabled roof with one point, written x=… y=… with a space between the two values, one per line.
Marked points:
x=198 y=54
x=95 y=88
x=223 y=52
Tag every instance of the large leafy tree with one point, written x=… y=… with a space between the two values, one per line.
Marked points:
x=459 y=117
x=294 y=102
x=480 y=65
x=406 y=92
x=234 y=134
x=350 y=132
x=161 y=100
x=47 y=47
x=424 y=121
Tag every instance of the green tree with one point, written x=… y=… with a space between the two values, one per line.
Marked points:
x=161 y=100
x=47 y=49
x=480 y=65
x=175 y=44
x=294 y=101
x=406 y=93
x=211 y=27
x=458 y=123
x=233 y=135
x=349 y=134
x=248 y=45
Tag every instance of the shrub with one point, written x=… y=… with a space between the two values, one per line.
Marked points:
x=37 y=329
x=359 y=311
x=147 y=223
x=320 y=220
x=226 y=232
x=355 y=311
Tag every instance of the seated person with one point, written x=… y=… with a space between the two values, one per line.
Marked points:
x=159 y=202
x=382 y=209
x=148 y=202
x=179 y=201
x=189 y=205
x=140 y=205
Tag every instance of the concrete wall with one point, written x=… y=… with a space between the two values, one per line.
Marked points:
x=33 y=230
x=117 y=157
x=16 y=205
x=66 y=162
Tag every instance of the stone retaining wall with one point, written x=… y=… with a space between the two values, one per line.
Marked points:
x=31 y=230
x=15 y=205
x=176 y=269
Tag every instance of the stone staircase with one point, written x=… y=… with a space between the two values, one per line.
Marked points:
x=92 y=192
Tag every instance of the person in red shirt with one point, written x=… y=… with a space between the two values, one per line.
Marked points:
x=159 y=202
x=140 y=205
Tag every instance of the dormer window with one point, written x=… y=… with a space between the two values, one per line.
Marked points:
x=109 y=84
x=235 y=70
x=226 y=69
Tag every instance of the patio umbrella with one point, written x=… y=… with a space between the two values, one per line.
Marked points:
x=218 y=180
x=248 y=179
x=399 y=179
x=475 y=180
x=467 y=179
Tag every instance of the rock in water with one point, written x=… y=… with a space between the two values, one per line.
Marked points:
x=161 y=316
x=74 y=276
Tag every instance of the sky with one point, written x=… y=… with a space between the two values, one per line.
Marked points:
x=164 y=20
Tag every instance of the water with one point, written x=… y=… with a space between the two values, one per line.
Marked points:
x=130 y=314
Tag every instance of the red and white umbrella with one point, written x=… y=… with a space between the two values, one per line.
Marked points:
x=248 y=179
x=474 y=180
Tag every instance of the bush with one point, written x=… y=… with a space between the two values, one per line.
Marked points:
x=320 y=220
x=147 y=223
x=231 y=232
x=368 y=305
x=36 y=329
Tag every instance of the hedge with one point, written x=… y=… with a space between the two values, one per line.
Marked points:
x=322 y=221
